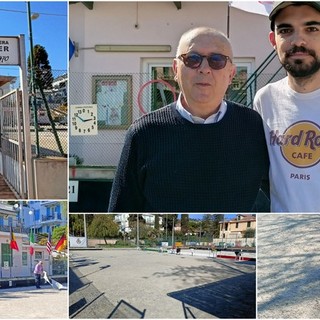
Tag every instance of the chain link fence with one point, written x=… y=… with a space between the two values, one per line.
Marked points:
x=52 y=137
x=52 y=117
x=122 y=98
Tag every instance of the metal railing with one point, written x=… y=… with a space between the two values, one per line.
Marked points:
x=12 y=137
x=245 y=94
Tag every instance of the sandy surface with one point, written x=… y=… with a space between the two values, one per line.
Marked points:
x=288 y=270
x=135 y=284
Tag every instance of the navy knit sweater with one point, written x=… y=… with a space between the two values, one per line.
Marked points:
x=169 y=164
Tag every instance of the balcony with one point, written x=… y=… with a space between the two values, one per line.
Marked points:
x=17 y=229
x=52 y=219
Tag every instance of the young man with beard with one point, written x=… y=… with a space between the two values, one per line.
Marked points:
x=290 y=108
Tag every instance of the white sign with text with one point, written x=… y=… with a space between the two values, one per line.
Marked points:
x=9 y=51
x=73 y=190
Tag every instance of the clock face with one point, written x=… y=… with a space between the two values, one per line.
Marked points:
x=84 y=120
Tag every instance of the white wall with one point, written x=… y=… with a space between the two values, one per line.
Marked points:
x=158 y=23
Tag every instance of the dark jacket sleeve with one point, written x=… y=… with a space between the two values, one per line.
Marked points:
x=126 y=193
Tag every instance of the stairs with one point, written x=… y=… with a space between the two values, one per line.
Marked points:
x=5 y=191
x=245 y=94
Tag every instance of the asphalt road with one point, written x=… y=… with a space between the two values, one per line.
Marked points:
x=143 y=284
x=288 y=266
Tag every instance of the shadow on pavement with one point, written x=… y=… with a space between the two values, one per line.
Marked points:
x=229 y=298
x=100 y=268
x=77 y=263
x=74 y=281
x=87 y=302
x=126 y=308
x=288 y=269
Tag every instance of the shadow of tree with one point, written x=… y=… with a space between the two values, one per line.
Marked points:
x=202 y=274
x=86 y=301
x=225 y=289
x=288 y=270
x=228 y=298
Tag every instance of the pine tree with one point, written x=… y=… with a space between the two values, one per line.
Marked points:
x=42 y=69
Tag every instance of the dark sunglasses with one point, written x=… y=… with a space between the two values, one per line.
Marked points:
x=216 y=61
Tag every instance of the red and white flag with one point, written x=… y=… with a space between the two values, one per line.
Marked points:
x=258 y=7
x=49 y=246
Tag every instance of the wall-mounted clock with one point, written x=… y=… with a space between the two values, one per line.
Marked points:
x=83 y=120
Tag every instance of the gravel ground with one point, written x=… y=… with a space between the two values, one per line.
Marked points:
x=288 y=266
x=32 y=303
x=144 y=284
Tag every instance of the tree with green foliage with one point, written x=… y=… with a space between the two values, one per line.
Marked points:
x=194 y=225
x=64 y=209
x=249 y=233
x=145 y=232
x=133 y=220
x=168 y=220
x=210 y=224
x=41 y=67
x=58 y=232
x=157 y=221
x=103 y=226
x=76 y=225
x=184 y=223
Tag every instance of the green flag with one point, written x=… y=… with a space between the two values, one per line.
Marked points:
x=31 y=238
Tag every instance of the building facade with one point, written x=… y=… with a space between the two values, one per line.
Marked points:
x=21 y=219
x=123 y=221
x=236 y=229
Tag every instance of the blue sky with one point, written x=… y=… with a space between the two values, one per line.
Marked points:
x=49 y=29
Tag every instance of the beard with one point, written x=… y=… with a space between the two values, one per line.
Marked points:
x=298 y=68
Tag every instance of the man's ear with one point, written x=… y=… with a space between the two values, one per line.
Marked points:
x=174 y=66
x=232 y=73
x=272 y=39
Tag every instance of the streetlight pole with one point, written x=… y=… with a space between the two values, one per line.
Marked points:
x=137 y=231
x=166 y=227
x=85 y=229
x=31 y=213
x=173 y=232
x=32 y=82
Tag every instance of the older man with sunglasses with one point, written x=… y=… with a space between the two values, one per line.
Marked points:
x=201 y=153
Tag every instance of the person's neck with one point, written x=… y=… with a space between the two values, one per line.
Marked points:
x=306 y=84
x=202 y=111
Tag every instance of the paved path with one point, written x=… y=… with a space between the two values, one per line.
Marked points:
x=288 y=266
x=145 y=284
x=32 y=303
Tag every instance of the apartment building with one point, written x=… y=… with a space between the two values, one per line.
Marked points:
x=235 y=228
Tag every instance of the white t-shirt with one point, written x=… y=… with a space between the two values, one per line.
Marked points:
x=292 y=129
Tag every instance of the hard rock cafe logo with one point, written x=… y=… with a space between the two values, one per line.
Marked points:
x=299 y=144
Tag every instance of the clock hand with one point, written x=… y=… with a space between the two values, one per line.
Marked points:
x=80 y=118
x=87 y=120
